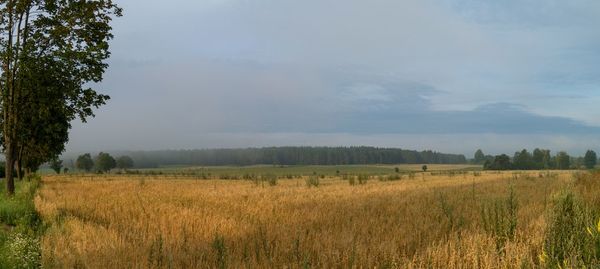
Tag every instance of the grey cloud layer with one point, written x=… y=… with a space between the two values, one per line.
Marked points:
x=364 y=68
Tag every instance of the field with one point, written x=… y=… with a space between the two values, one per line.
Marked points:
x=220 y=172
x=438 y=219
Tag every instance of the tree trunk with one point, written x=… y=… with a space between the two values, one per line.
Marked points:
x=27 y=172
x=19 y=171
x=10 y=164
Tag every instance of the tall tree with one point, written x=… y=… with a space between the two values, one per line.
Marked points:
x=590 y=159
x=479 y=157
x=124 y=162
x=105 y=162
x=501 y=162
x=563 y=160
x=523 y=160
x=85 y=162
x=68 y=40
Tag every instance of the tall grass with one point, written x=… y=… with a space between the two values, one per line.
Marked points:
x=499 y=219
x=569 y=242
x=491 y=220
x=21 y=226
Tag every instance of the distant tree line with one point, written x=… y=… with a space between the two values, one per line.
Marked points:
x=539 y=159
x=293 y=156
x=102 y=163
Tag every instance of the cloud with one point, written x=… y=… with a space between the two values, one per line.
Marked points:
x=184 y=71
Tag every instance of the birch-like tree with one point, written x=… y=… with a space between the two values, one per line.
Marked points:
x=50 y=52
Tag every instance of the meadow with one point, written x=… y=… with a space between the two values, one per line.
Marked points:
x=449 y=217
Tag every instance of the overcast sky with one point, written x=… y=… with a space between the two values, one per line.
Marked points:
x=447 y=75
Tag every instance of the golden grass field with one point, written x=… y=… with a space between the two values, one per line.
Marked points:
x=431 y=220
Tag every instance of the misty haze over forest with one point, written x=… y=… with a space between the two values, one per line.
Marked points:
x=451 y=76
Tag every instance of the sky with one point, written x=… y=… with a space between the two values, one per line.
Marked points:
x=445 y=75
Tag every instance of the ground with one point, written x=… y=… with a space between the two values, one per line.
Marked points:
x=445 y=218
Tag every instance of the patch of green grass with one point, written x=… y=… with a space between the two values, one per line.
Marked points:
x=569 y=241
x=20 y=226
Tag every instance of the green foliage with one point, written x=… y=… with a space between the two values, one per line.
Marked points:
x=455 y=219
x=563 y=160
x=479 y=157
x=125 y=162
x=20 y=246
x=104 y=162
x=424 y=168
x=590 y=159
x=523 y=160
x=542 y=159
x=499 y=219
x=501 y=162
x=51 y=52
x=220 y=250
x=569 y=243
x=85 y=162
x=22 y=250
x=283 y=156
x=56 y=165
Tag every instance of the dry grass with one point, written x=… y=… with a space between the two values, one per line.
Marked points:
x=433 y=220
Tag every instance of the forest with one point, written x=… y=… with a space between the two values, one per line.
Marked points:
x=292 y=156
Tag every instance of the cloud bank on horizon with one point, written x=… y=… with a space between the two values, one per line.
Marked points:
x=450 y=75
